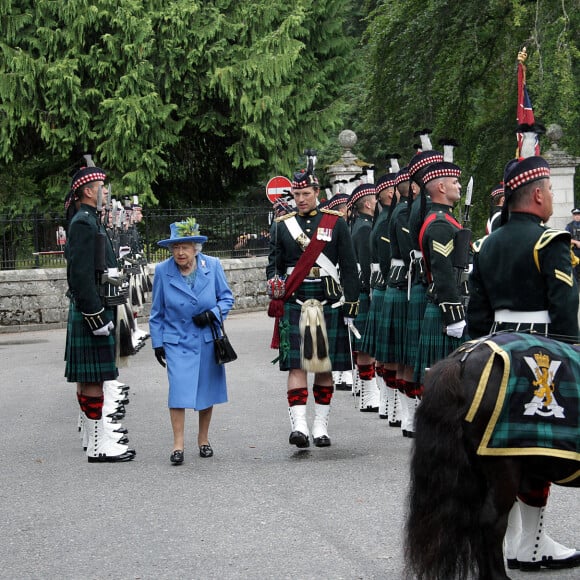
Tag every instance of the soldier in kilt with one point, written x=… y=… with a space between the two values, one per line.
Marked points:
x=380 y=245
x=312 y=319
x=416 y=286
x=443 y=328
x=90 y=343
x=362 y=205
x=522 y=280
x=394 y=312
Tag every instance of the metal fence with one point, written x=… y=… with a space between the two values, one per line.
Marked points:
x=37 y=241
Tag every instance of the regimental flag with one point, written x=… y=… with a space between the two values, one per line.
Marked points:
x=525 y=112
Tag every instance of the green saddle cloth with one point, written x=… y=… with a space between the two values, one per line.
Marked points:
x=538 y=404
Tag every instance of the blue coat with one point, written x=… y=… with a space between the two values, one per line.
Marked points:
x=195 y=380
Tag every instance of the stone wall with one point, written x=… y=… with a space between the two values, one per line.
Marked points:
x=35 y=299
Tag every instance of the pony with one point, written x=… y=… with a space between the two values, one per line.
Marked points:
x=461 y=486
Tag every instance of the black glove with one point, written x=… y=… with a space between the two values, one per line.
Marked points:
x=204 y=318
x=160 y=355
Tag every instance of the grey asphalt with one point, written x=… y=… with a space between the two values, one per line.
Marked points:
x=259 y=508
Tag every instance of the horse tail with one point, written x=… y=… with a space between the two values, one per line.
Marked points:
x=445 y=496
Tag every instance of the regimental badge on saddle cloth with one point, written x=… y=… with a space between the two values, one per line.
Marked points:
x=544 y=402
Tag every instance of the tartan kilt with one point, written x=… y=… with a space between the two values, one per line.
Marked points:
x=389 y=345
x=89 y=358
x=434 y=344
x=372 y=329
x=415 y=313
x=364 y=305
x=338 y=347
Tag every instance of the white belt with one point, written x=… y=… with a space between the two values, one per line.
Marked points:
x=416 y=254
x=522 y=317
x=375 y=268
x=316 y=271
x=397 y=262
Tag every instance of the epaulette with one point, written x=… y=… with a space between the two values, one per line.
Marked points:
x=478 y=243
x=547 y=237
x=332 y=211
x=286 y=216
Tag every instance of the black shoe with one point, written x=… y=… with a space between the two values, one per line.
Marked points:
x=571 y=562
x=116 y=416
x=205 y=450
x=127 y=456
x=369 y=410
x=513 y=564
x=343 y=387
x=394 y=423
x=323 y=441
x=299 y=439
x=177 y=457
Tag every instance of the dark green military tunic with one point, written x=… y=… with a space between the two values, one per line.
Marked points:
x=361 y=241
x=285 y=253
x=380 y=249
x=383 y=247
x=524 y=266
x=89 y=358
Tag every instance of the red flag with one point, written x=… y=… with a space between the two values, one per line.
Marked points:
x=525 y=112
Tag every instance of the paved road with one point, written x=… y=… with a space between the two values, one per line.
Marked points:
x=258 y=509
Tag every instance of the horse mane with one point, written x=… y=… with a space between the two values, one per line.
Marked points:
x=442 y=535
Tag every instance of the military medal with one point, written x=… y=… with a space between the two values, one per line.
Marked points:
x=324 y=234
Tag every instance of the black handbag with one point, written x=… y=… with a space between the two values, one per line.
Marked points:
x=223 y=349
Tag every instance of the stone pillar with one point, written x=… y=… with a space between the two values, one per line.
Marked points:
x=562 y=170
x=348 y=165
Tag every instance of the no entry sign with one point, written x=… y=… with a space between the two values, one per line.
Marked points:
x=276 y=187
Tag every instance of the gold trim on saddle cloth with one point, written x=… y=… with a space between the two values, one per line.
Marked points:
x=571 y=479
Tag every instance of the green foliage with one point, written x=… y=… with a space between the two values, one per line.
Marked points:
x=179 y=99
x=201 y=101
